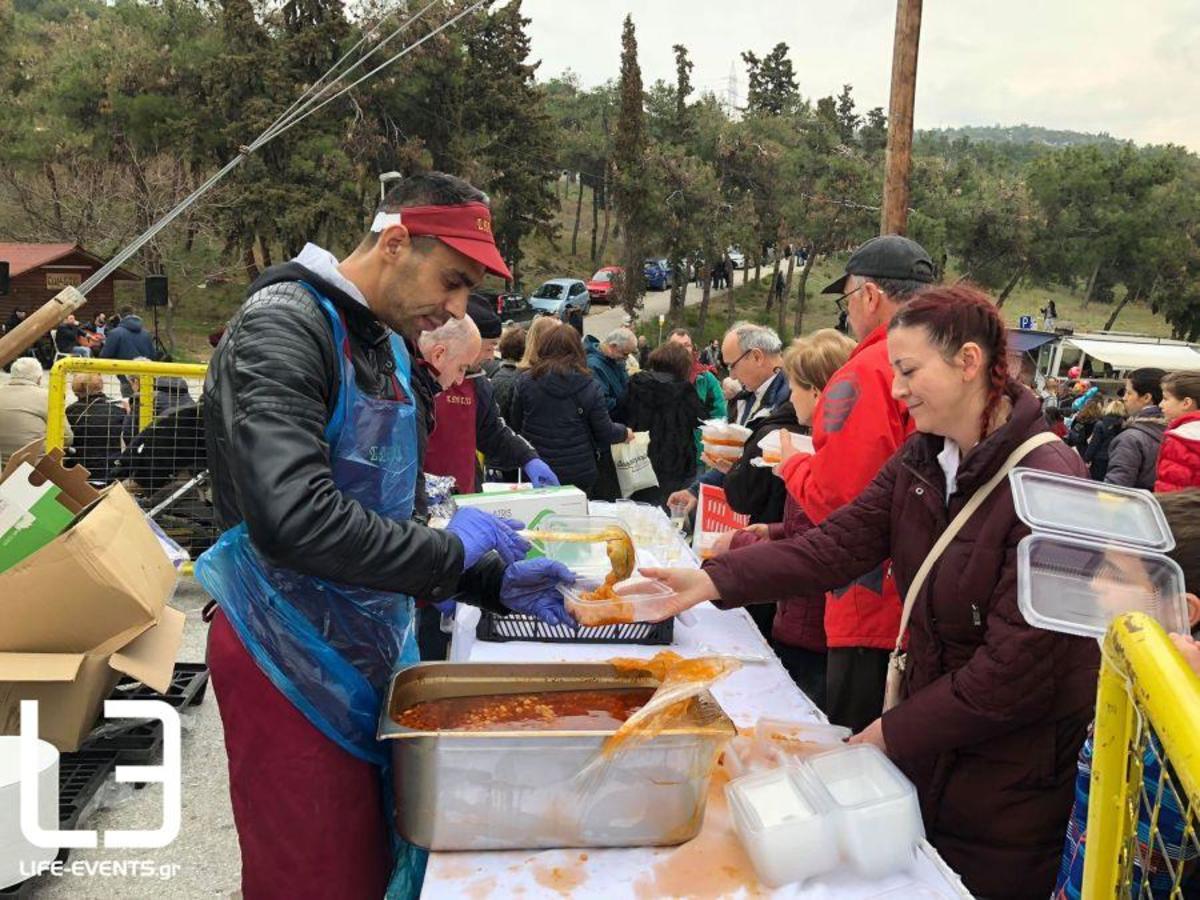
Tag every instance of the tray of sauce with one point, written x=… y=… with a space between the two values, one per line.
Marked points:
x=587 y=710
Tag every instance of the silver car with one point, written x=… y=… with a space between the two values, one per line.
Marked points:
x=555 y=296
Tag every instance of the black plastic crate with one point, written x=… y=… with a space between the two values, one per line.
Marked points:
x=138 y=745
x=189 y=684
x=494 y=627
x=80 y=777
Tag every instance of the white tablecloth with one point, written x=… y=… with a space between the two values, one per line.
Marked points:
x=711 y=865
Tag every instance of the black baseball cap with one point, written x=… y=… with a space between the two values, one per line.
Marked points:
x=483 y=314
x=887 y=256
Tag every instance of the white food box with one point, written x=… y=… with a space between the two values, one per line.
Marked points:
x=785 y=825
x=878 y=816
x=17 y=855
x=529 y=506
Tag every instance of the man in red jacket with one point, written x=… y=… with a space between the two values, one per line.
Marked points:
x=856 y=427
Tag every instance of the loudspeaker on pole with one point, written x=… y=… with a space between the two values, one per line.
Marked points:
x=156 y=290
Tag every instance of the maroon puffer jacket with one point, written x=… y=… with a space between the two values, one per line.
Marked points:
x=800 y=621
x=994 y=711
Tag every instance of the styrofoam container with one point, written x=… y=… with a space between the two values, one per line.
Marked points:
x=15 y=850
x=638 y=600
x=1075 y=586
x=723 y=432
x=878 y=817
x=1089 y=509
x=799 y=739
x=785 y=824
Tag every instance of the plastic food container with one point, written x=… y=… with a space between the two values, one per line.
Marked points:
x=785 y=823
x=878 y=816
x=17 y=855
x=638 y=600
x=724 y=439
x=1088 y=509
x=772 y=447
x=745 y=756
x=586 y=558
x=799 y=739
x=520 y=790
x=1076 y=586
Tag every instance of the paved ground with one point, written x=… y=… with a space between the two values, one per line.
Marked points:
x=206 y=851
x=603 y=319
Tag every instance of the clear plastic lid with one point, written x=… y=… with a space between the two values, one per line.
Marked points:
x=636 y=600
x=578 y=542
x=775 y=797
x=799 y=738
x=1084 y=508
x=1075 y=586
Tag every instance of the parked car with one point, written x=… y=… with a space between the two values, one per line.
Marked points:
x=600 y=288
x=510 y=306
x=555 y=295
x=659 y=276
x=737 y=257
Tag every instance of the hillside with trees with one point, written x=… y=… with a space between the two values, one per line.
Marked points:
x=114 y=112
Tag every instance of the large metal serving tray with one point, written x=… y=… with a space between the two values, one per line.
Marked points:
x=520 y=790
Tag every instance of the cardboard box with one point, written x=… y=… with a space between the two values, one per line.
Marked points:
x=84 y=609
x=30 y=515
x=530 y=506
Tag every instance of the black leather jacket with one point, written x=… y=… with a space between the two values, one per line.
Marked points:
x=270 y=390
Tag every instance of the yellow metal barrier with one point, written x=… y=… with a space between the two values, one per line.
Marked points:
x=1147 y=715
x=150 y=407
x=65 y=368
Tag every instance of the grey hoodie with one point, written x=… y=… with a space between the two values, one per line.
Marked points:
x=1133 y=453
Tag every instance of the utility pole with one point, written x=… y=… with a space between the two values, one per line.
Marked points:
x=894 y=218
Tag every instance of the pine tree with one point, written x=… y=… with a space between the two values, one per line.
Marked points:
x=633 y=201
x=684 y=126
x=848 y=121
x=773 y=89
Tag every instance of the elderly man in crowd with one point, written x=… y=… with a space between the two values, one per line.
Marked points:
x=97 y=422
x=23 y=405
x=607 y=360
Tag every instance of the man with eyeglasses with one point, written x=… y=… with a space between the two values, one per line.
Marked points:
x=856 y=427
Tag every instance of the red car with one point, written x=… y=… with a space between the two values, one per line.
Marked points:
x=600 y=286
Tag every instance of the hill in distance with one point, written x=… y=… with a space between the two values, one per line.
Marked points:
x=1021 y=134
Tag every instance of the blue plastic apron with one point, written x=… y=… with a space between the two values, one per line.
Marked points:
x=332 y=648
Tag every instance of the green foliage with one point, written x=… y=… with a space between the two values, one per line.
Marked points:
x=773 y=89
x=635 y=203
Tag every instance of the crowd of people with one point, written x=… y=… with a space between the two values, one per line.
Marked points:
x=1148 y=436
x=98 y=427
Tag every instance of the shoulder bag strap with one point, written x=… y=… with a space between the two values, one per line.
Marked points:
x=981 y=494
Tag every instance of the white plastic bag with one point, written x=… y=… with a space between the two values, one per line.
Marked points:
x=632 y=460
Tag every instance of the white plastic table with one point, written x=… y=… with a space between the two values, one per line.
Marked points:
x=711 y=864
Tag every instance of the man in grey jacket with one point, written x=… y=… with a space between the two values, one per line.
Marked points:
x=1133 y=453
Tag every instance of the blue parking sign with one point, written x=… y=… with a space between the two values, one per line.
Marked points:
x=1026 y=323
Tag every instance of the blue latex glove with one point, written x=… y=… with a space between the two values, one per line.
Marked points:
x=540 y=474
x=481 y=532
x=529 y=587
x=446 y=607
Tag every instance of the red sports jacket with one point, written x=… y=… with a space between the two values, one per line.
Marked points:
x=856 y=428
x=1179 y=457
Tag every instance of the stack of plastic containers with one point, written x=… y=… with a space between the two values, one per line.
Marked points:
x=847 y=807
x=1096 y=552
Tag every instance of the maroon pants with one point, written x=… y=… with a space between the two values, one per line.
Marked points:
x=309 y=816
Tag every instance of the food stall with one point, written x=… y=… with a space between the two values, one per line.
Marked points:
x=713 y=863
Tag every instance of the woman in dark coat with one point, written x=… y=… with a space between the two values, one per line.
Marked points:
x=504 y=375
x=557 y=406
x=993 y=711
x=662 y=401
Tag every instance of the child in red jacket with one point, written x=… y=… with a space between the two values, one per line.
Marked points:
x=1179 y=458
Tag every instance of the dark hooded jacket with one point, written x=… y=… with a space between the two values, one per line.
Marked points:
x=1133 y=453
x=994 y=710
x=563 y=415
x=128 y=341
x=670 y=410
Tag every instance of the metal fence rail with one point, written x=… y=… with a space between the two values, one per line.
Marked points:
x=138 y=422
x=1142 y=827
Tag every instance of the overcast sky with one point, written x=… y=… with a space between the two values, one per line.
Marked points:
x=1129 y=68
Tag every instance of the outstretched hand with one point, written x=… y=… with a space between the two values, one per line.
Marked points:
x=691 y=586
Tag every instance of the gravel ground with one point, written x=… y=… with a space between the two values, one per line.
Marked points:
x=204 y=858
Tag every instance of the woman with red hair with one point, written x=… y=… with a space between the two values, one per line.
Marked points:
x=991 y=711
